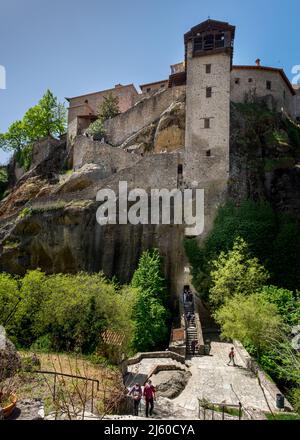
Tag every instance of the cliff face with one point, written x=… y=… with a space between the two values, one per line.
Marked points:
x=264 y=158
x=49 y=218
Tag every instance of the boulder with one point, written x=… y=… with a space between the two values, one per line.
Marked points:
x=10 y=361
x=170 y=383
x=82 y=178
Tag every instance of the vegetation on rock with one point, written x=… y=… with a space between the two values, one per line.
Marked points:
x=47 y=118
x=107 y=110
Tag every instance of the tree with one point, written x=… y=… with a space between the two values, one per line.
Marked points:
x=250 y=319
x=149 y=317
x=109 y=107
x=271 y=237
x=15 y=138
x=235 y=272
x=148 y=277
x=149 y=313
x=287 y=303
x=47 y=118
x=9 y=297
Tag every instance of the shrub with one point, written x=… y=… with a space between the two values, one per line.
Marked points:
x=250 y=319
x=149 y=313
x=96 y=130
x=235 y=273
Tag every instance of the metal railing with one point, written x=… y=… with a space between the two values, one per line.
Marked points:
x=86 y=379
x=208 y=411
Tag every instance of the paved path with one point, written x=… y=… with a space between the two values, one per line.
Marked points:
x=213 y=380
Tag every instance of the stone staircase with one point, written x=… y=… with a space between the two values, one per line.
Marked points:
x=191 y=330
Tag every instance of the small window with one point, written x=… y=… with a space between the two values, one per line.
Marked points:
x=269 y=85
x=237 y=81
x=162 y=86
x=250 y=80
x=206 y=123
x=86 y=101
x=208 y=68
x=208 y=92
x=284 y=94
x=180 y=169
x=149 y=90
x=208 y=153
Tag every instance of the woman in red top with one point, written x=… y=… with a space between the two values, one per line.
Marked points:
x=149 y=396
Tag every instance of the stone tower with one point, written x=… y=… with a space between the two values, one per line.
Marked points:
x=208 y=61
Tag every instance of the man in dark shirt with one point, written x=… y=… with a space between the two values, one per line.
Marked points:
x=149 y=396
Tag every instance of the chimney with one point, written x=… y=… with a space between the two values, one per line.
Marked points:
x=257 y=62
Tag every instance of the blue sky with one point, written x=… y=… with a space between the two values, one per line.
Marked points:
x=74 y=47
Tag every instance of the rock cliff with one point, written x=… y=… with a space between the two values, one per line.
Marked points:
x=48 y=219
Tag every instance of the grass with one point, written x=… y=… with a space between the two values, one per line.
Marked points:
x=282 y=416
x=219 y=408
x=71 y=390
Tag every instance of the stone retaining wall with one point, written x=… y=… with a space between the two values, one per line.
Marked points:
x=265 y=382
x=145 y=112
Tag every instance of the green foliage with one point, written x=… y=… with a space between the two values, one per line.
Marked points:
x=9 y=297
x=273 y=239
x=109 y=107
x=150 y=330
x=149 y=313
x=287 y=303
x=65 y=312
x=250 y=319
x=148 y=277
x=284 y=261
x=235 y=273
x=107 y=110
x=295 y=398
x=15 y=138
x=25 y=212
x=24 y=157
x=96 y=130
x=293 y=132
x=3 y=180
x=47 y=118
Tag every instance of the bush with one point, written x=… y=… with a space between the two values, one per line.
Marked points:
x=287 y=303
x=235 y=273
x=149 y=313
x=250 y=319
x=65 y=312
x=96 y=130
x=273 y=239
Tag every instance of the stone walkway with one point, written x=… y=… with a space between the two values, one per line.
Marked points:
x=140 y=371
x=213 y=380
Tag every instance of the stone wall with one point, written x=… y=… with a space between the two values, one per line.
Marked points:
x=79 y=107
x=112 y=159
x=296 y=103
x=279 y=89
x=268 y=386
x=142 y=114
